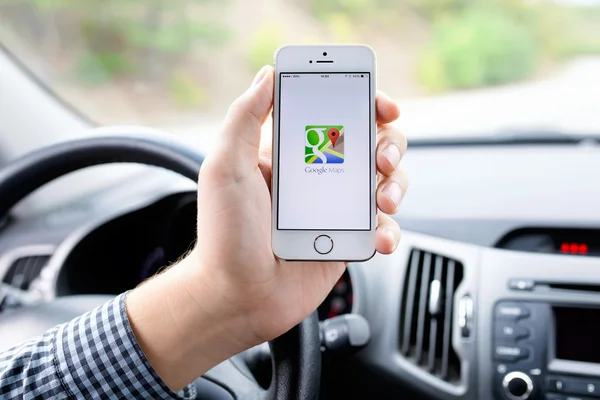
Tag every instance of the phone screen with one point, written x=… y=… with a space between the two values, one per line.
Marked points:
x=324 y=151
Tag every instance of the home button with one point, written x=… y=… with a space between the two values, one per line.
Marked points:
x=323 y=244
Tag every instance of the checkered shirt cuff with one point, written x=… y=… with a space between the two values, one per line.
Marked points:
x=95 y=355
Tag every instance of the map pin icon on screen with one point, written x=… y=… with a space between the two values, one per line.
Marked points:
x=333 y=134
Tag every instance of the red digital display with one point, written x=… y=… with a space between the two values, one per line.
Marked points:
x=573 y=248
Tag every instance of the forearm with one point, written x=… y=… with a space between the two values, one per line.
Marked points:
x=183 y=327
x=148 y=343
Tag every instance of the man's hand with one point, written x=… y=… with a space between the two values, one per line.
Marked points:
x=231 y=292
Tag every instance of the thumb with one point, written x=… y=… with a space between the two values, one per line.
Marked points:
x=240 y=136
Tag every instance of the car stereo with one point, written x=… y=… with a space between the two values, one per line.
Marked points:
x=545 y=351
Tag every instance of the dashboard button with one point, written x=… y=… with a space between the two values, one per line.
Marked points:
x=521 y=284
x=323 y=244
x=511 y=311
x=510 y=353
x=556 y=396
x=586 y=387
x=509 y=331
x=555 y=384
x=577 y=386
x=517 y=385
x=591 y=387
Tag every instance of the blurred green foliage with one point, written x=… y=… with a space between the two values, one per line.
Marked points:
x=546 y=22
x=346 y=18
x=473 y=42
x=584 y=29
x=477 y=48
x=341 y=27
x=349 y=20
x=582 y=48
x=99 y=67
x=119 y=37
x=498 y=41
x=186 y=92
x=175 y=37
x=433 y=9
x=267 y=39
x=470 y=43
x=352 y=8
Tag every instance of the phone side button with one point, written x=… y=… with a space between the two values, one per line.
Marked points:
x=323 y=244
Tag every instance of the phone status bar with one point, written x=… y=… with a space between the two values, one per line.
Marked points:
x=337 y=75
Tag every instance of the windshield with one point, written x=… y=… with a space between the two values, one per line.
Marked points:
x=456 y=67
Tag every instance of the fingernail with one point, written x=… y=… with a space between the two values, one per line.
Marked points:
x=392 y=153
x=261 y=74
x=393 y=191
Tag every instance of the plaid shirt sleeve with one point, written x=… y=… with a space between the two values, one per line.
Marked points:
x=94 y=356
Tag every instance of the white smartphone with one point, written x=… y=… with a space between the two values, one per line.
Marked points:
x=323 y=186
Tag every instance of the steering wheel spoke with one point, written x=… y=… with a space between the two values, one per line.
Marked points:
x=231 y=375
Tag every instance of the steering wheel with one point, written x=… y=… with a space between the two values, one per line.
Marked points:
x=296 y=355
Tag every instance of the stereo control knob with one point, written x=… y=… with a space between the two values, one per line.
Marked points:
x=517 y=385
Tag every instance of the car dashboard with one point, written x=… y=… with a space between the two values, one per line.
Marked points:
x=493 y=292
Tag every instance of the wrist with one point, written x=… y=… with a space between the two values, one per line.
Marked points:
x=182 y=326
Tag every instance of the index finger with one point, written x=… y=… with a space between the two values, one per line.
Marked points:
x=387 y=109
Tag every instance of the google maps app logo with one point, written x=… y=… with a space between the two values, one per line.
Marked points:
x=324 y=144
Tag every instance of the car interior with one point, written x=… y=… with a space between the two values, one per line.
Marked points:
x=493 y=292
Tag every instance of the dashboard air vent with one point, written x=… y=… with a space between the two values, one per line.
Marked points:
x=24 y=270
x=426 y=314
